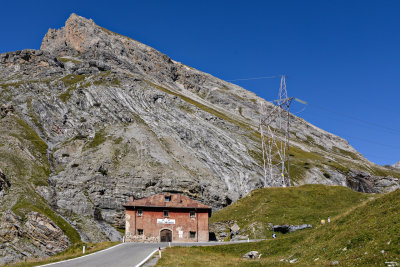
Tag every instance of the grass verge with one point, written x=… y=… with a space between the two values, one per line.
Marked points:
x=73 y=251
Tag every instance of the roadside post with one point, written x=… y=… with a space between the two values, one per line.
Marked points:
x=83 y=250
x=159 y=252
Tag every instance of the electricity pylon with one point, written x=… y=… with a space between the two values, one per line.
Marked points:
x=274 y=129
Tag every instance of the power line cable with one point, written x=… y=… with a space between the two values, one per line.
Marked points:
x=355 y=123
x=254 y=78
x=363 y=139
x=396 y=131
x=358 y=138
x=374 y=156
x=358 y=119
x=372 y=142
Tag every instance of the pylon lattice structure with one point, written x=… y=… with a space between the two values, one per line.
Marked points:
x=274 y=129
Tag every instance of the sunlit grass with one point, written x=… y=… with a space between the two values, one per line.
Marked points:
x=72 y=252
x=365 y=234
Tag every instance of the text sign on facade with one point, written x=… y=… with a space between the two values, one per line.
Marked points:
x=166 y=221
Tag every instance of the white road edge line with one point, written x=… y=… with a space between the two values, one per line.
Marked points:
x=146 y=259
x=138 y=265
x=82 y=256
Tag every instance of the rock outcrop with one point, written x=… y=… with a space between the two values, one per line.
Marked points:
x=37 y=237
x=221 y=230
x=396 y=165
x=97 y=117
x=6 y=109
x=4 y=184
x=286 y=228
x=252 y=255
x=364 y=182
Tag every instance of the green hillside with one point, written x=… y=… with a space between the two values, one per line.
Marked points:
x=307 y=204
x=366 y=234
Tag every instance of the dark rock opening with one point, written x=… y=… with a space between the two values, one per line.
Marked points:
x=228 y=201
x=97 y=214
x=212 y=236
x=286 y=228
x=4 y=182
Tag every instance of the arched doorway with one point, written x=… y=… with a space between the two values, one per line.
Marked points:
x=166 y=235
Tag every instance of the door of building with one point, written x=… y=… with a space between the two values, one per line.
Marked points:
x=166 y=235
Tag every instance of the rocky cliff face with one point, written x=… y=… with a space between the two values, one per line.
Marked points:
x=396 y=165
x=93 y=117
x=45 y=237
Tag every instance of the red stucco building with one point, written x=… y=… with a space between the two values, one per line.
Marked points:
x=166 y=217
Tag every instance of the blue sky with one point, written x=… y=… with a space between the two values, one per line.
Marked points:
x=342 y=57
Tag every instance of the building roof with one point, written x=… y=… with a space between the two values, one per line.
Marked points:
x=158 y=200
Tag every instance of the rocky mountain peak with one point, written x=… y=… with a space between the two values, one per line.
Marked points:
x=74 y=19
x=82 y=38
x=74 y=35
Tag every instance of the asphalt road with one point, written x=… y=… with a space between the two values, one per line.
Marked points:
x=125 y=254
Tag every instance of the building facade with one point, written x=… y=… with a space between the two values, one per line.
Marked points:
x=166 y=217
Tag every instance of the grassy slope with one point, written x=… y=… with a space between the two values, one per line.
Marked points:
x=356 y=237
x=294 y=205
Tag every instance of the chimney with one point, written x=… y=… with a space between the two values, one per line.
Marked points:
x=130 y=198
